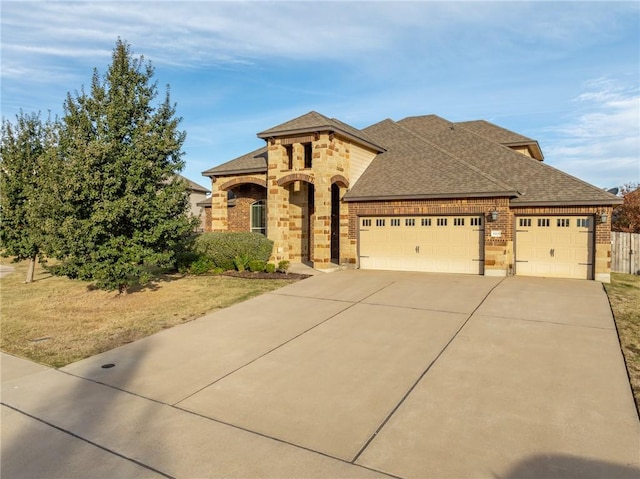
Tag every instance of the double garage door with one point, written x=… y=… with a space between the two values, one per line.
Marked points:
x=439 y=244
x=554 y=246
x=546 y=246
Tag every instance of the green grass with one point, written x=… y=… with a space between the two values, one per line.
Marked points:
x=56 y=321
x=624 y=296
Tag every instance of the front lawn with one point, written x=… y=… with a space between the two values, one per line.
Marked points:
x=57 y=321
x=624 y=296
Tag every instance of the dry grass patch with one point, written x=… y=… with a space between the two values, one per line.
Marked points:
x=624 y=296
x=57 y=321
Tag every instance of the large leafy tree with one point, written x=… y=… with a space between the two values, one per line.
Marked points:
x=626 y=217
x=27 y=162
x=124 y=210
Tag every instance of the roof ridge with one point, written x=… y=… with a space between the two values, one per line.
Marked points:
x=463 y=124
x=474 y=168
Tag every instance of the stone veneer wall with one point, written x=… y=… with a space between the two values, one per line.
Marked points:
x=297 y=234
x=219 y=187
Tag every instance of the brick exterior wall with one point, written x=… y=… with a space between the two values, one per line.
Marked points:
x=498 y=251
x=239 y=215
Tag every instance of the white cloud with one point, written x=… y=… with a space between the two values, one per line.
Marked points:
x=600 y=142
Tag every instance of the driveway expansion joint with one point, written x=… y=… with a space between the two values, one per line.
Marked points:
x=95 y=444
x=351 y=305
x=424 y=373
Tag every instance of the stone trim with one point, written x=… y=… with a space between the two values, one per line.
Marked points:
x=340 y=180
x=285 y=180
x=240 y=181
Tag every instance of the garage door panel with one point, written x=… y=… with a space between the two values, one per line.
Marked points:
x=553 y=246
x=429 y=243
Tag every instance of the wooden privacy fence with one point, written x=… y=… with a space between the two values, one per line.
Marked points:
x=625 y=252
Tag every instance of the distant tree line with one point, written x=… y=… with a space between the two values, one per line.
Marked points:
x=97 y=190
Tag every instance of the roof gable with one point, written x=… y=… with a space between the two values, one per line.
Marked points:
x=254 y=162
x=313 y=122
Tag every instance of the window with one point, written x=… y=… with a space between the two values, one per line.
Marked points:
x=562 y=222
x=442 y=222
x=366 y=222
x=409 y=222
x=458 y=222
x=476 y=221
x=289 y=152
x=525 y=221
x=425 y=221
x=308 y=154
x=258 y=217
x=543 y=222
x=380 y=222
x=582 y=222
x=395 y=221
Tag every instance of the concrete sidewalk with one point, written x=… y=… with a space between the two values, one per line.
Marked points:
x=350 y=374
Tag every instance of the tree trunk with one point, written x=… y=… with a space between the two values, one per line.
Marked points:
x=31 y=269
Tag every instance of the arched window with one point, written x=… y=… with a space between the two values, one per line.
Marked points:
x=258 y=217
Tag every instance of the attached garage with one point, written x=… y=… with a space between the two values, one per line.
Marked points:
x=554 y=246
x=437 y=244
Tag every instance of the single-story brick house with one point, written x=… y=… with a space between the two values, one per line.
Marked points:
x=419 y=194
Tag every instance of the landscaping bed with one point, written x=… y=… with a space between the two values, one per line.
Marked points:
x=265 y=275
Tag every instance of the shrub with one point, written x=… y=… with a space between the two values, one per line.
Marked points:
x=270 y=268
x=283 y=266
x=184 y=260
x=241 y=262
x=202 y=265
x=257 y=266
x=224 y=247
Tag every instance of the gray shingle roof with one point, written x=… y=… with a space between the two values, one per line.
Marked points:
x=254 y=162
x=494 y=132
x=314 y=121
x=536 y=182
x=502 y=135
x=430 y=157
x=193 y=186
x=413 y=168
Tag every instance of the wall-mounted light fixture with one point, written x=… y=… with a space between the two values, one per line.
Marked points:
x=494 y=215
x=603 y=217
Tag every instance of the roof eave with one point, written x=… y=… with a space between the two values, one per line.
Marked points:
x=609 y=202
x=490 y=194
x=245 y=171
x=265 y=135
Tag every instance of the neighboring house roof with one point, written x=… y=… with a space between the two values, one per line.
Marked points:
x=315 y=122
x=254 y=162
x=193 y=186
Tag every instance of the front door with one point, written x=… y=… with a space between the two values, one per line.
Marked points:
x=335 y=223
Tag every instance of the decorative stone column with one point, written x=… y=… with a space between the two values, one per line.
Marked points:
x=218 y=207
x=322 y=224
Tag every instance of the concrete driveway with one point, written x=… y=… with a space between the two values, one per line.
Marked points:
x=349 y=374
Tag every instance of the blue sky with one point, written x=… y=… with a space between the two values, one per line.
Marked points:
x=564 y=73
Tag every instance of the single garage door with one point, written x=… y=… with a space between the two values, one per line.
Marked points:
x=554 y=246
x=438 y=244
